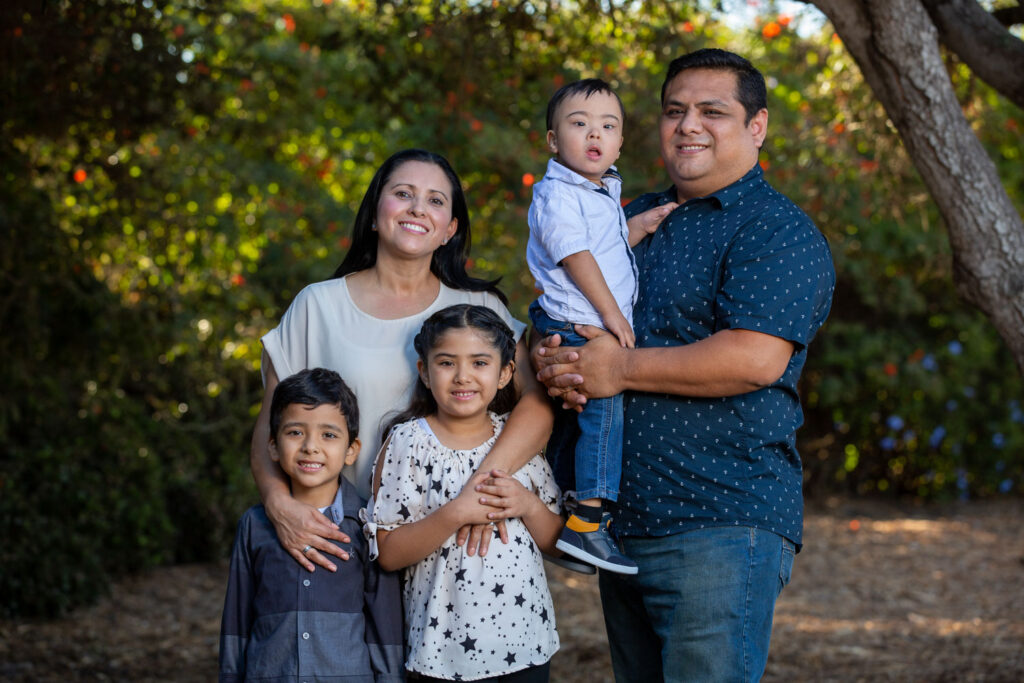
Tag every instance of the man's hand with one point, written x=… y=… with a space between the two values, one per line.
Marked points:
x=299 y=525
x=593 y=370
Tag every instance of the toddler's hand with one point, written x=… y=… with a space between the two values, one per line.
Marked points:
x=644 y=224
x=507 y=493
x=623 y=331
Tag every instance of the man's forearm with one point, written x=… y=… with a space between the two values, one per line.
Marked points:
x=727 y=363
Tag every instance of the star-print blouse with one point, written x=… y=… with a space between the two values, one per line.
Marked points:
x=467 y=617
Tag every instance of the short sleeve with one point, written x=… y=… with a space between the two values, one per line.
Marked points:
x=537 y=476
x=300 y=329
x=557 y=221
x=404 y=482
x=778 y=280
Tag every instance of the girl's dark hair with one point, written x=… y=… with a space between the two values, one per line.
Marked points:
x=315 y=387
x=449 y=260
x=458 y=317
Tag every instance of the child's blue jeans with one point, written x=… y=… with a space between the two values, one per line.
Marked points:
x=585 y=449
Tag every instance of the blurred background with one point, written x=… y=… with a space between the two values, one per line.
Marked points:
x=174 y=172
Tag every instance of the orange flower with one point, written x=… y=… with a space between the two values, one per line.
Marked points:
x=527 y=179
x=476 y=125
x=784 y=20
x=891 y=369
x=289 y=23
x=688 y=26
x=770 y=30
x=839 y=127
x=764 y=165
x=80 y=175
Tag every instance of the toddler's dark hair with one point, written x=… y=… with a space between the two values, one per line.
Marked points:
x=585 y=87
x=460 y=316
x=315 y=387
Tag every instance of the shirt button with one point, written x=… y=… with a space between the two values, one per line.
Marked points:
x=305 y=582
x=305 y=636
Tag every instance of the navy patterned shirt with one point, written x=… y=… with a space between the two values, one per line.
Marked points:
x=284 y=624
x=744 y=257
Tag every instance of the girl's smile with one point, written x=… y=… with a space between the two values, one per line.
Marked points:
x=464 y=373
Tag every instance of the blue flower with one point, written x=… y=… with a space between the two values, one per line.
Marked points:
x=969 y=392
x=909 y=435
x=895 y=422
x=1017 y=415
x=998 y=440
x=961 y=480
x=951 y=405
x=928 y=363
x=887 y=443
x=1005 y=485
x=938 y=434
x=955 y=347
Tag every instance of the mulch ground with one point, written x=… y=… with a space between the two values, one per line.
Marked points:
x=880 y=593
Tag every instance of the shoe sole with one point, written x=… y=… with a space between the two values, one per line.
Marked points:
x=572 y=565
x=570 y=549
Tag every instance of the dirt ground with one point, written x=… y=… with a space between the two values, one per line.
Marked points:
x=880 y=593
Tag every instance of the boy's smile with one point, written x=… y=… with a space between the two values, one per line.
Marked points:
x=587 y=136
x=312 y=446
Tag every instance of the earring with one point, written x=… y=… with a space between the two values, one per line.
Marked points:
x=444 y=241
x=373 y=226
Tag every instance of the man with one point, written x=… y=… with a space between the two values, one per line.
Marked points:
x=733 y=285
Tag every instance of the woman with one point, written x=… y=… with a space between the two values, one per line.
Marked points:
x=410 y=242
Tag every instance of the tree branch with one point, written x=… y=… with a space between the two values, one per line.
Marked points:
x=1009 y=16
x=982 y=42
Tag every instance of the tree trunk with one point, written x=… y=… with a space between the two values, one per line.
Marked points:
x=896 y=46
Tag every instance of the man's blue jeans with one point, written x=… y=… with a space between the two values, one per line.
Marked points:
x=701 y=607
x=585 y=449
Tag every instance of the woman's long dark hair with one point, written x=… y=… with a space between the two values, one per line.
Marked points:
x=460 y=316
x=449 y=260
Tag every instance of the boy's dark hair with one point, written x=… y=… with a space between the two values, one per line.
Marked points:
x=586 y=87
x=315 y=387
x=460 y=316
x=750 y=88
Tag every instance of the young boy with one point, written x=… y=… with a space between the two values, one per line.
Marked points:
x=280 y=621
x=580 y=256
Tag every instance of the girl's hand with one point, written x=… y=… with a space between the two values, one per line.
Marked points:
x=509 y=495
x=298 y=525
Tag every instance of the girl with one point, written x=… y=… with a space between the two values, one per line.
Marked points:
x=467 y=617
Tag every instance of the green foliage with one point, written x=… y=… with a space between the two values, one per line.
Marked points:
x=205 y=162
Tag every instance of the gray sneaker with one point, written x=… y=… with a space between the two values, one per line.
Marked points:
x=596 y=547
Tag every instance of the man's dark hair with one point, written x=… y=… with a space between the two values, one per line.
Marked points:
x=315 y=387
x=750 y=88
x=586 y=87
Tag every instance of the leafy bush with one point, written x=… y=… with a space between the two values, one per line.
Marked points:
x=145 y=249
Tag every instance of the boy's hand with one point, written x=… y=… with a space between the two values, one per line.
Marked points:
x=617 y=324
x=507 y=493
x=644 y=224
x=299 y=525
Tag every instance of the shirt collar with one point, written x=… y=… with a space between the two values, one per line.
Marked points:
x=346 y=502
x=558 y=171
x=728 y=195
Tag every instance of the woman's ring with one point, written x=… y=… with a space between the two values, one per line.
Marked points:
x=307 y=549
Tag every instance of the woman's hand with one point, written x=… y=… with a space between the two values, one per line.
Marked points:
x=298 y=525
x=509 y=495
x=477 y=537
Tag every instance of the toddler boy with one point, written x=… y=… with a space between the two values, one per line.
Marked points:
x=281 y=622
x=579 y=254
